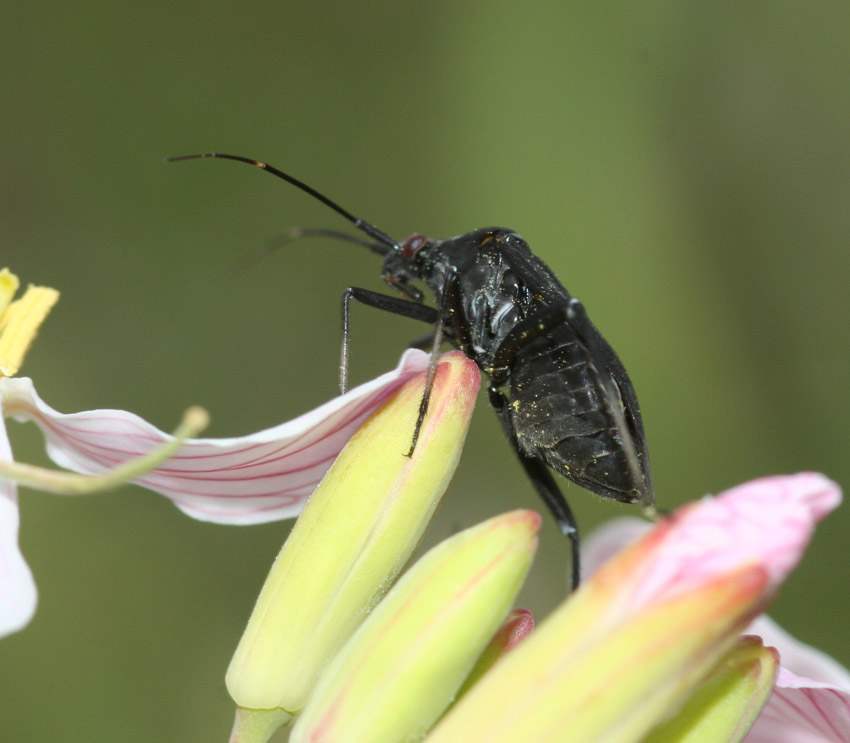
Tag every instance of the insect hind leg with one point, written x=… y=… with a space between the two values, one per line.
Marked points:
x=543 y=482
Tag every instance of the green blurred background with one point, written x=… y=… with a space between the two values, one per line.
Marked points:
x=683 y=167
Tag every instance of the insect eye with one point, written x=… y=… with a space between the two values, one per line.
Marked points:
x=413 y=245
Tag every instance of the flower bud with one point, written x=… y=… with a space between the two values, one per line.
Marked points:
x=630 y=646
x=514 y=630
x=355 y=534
x=725 y=705
x=405 y=663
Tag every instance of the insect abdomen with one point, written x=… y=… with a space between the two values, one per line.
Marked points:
x=560 y=413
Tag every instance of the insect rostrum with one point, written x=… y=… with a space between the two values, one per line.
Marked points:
x=560 y=391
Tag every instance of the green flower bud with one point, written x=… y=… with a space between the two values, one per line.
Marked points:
x=404 y=665
x=354 y=536
x=725 y=705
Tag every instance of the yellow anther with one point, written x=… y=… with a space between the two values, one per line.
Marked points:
x=20 y=320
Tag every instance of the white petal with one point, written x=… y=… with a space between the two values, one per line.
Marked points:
x=262 y=477
x=17 y=588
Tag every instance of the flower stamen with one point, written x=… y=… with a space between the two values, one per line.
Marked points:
x=20 y=319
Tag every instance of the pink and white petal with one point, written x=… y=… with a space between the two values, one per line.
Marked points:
x=810 y=702
x=729 y=526
x=766 y=522
x=802 y=711
x=265 y=476
x=18 y=594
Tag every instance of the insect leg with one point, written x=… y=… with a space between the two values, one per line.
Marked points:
x=397 y=306
x=407 y=308
x=447 y=300
x=429 y=383
x=542 y=480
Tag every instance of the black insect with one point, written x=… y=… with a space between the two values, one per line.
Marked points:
x=561 y=393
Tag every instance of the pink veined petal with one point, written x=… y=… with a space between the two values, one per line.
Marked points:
x=813 y=707
x=18 y=594
x=251 y=479
x=802 y=711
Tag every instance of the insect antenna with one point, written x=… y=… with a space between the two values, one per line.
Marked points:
x=360 y=224
x=256 y=255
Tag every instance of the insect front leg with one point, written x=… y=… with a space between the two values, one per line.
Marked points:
x=542 y=480
x=447 y=300
x=404 y=307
